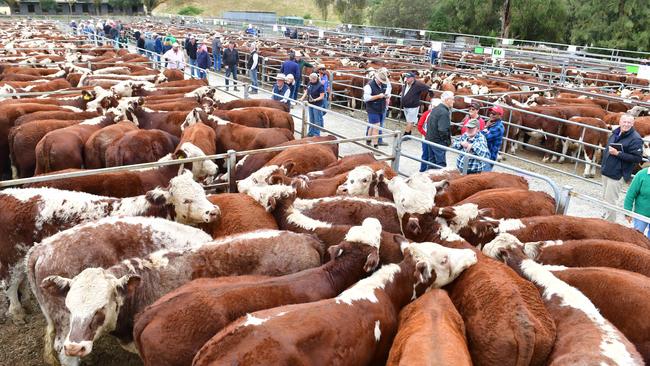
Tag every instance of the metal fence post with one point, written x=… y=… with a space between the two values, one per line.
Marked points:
x=397 y=151
x=231 y=161
x=562 y=206
x=303 y=129
x=245 y=85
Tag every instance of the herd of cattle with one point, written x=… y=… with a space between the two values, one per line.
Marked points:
x=315 y=260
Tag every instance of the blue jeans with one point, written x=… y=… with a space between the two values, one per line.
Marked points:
x=231 y=71
x=193 y=68
x=376 y=118
x=202 y=74
x=253 y=76
x=296 y=88
x=315 y=117
x=216 y=57
x=425 y=157
x=488 y=167
x=641 y=226
x=438 y=157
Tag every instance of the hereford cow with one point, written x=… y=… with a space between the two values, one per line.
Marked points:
x=125 y=289
x=513 y=203
x=159 y=341
x=103 y=243
x=32 y=214
x=244 y=117
x=245 y=103
x=237 y=209
x=343 y=165
x=430 y=332
x=140 y=146
x=96 y=145
x=374 y=302
x=590 y=141
x=581 y=329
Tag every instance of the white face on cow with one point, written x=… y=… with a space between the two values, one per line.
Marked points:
x=123 y=88
x=188 y=198
x=192 y=118
x=101 y=95
x=200 y=169
x=7 y=89
x=259 y=178
x=93 y=298
x=447 y=263
x=358 y=182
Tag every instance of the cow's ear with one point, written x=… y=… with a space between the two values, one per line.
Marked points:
x=87 y=95
x=441 y=187
x=380 y=175
x=372 y=261
x=127 y=284
x=56 y=285
x=422 y=272
x=288 y=166
x=334 y=251
x=275 y=179
x=179 y=154
x=447 y=213
x=158 y=196
x=413 y=226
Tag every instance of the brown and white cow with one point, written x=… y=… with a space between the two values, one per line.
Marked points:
x=588 y=138
x=373 y=302
x=343 y=165
x=584 y=336
x=162 y=333
x=513 y=203
x=116 y=294
x=32 y=214
x=237 y=209
x=140 y=146
x=245 y=103
x=96 y=145
x=431 y=332
x=102 y=243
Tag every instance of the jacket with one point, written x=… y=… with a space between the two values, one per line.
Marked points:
x=253 y=61
x=290 y=67
x=216 y=45
x=637 y=198
x=158 y=45
x=422 y=122
x=620 y=166
x=202 y=60
x=438 y=125
x=191 y=49
x=377 y=106
x=412 y=98
x=230 y=57
x=494 y=136
x=479 y=148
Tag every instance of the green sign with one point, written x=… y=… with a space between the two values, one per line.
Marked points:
x=632 y=69
x=498 y=53
x=400 y=41
x=478 y=50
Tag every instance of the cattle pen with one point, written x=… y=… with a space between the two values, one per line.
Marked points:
x=556 y=72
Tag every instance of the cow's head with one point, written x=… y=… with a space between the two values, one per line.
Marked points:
x=451 y=223
x=264 y=189
x=207 y=103
x=104 y=99
x=411 y=200
x=368 y=235
x=203 y=170
x=262 y=177
x=200 y=92
x=436 y=265
x=187 y=198
x=93 y=298
x=192 y=118
x=8 y=89
x=359 y=182
x=532 y=100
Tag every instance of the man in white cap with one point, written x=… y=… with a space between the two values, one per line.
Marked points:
x=438 y=130
x=281 y=91
x=376 y=95
x=175 y=58
x=216 y=51
x=251 y=65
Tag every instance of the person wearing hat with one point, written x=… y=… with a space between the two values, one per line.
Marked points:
x=471 y=142
x=203 y=59
x=324 y=79
x=230 y=59
x=216 y=51
x=191 y=47
x=252 y=64
x=291 y=83
x=281 y=91
x=291 y=67
x=472 y=114
x=175 y=58
x=410 y=99
x=315 y=94
x=438 y=130
x=376 y=95
x=494 y=133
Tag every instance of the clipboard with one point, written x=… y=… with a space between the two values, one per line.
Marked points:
x=618 y=147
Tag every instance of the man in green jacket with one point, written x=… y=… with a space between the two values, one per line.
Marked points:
x=637 y=199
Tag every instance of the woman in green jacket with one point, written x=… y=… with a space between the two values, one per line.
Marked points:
x=637 y=199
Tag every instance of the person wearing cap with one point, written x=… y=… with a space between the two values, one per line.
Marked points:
x=191 y=47
x=203 y=60
x=324 y=79
x=471 y=142
x=438 y=130
x=230 y=60
x=376 y=95
x=168 y=41
x=251 y=65
x=281 y=91
x=494 y=133
x=175 y=58
x=291 y=83
x=315 y=94
x=291 y=67
x=472 y=114
x=410 y=99
x=216 y=51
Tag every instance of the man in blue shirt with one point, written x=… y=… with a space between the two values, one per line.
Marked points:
x=493 y=132
x=291 y=67
x=472 y=142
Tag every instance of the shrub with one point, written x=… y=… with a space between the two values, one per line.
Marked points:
x=190 y=10
x=306 y=16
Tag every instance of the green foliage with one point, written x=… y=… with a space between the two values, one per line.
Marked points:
x=122 y=5
x=401 y=13
x=307 y=16
x=150 y=5
x=350 y=11
x=48 y=5
x=323 y=6
x=190 y=10
x=539 y=20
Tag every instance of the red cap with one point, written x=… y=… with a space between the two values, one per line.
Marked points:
x=496 y=109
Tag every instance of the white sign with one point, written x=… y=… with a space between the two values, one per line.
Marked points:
x=284 y=29
x=275 y=27
x=487 y=51
x=436 y=46
x=507 y=41
x=498 y=53
x=572 y=49
x=214 y=21
x=400 y=41
x=467 y=100
x=367 y=40
x=423 y=32
x=644 y=72
x=321 y=33
x=349 y=26
x=311 y=22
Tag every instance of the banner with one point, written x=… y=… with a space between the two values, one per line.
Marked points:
x=498 y=53
x=436 y=46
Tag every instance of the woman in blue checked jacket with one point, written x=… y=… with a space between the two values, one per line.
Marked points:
x=474 y=143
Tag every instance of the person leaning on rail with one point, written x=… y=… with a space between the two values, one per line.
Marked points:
x=472 y=142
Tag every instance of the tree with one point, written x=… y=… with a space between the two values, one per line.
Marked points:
x=505 y=22
x=12 y=4
x=323 y=6
x=401 y=13
x=539 y=20
x=48 y=5
x=98 y=6
x=150 y=5
x=350 y=11
x=481 y=17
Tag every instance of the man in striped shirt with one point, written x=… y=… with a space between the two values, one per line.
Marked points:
x=472 y=143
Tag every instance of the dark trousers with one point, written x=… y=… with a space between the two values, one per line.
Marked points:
x=425 y=157
x=438 y=157
x=231 y=70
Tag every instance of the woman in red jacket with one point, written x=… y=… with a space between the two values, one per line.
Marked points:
x=473 y=114
x=422 y=127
